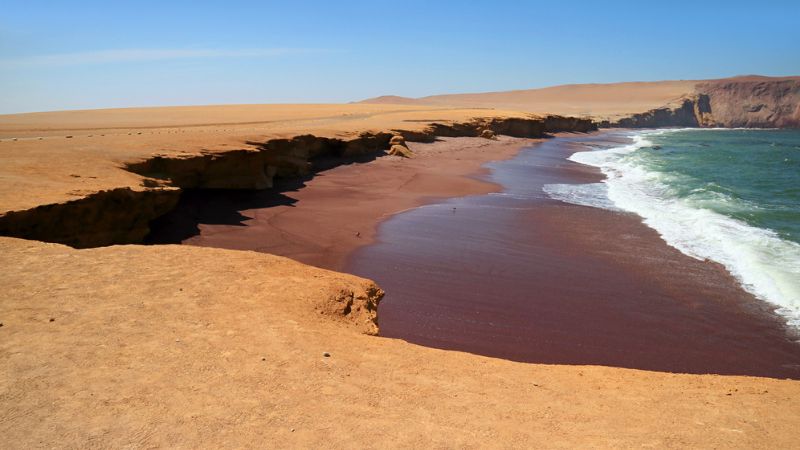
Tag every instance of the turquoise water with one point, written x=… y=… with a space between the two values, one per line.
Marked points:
x=749 y=175
x=730 y=196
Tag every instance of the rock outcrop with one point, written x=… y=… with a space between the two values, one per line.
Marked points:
x=358 y=307
x=752 y=102
x=398 y=147
x=397 y=140
x=401 y=151
x=488 y=134
x=692 y=111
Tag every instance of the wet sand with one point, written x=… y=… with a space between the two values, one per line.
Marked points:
x=523 y=277
x=321 y=220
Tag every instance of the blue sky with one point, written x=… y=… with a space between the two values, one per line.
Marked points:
x=85 y=54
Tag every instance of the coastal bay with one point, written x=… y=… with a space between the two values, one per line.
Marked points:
x=188 y=345
x=521 y=276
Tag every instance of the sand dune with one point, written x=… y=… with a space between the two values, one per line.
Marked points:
x=601 y=101
x=594 y=100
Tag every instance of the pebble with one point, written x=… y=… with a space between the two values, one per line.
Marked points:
x=52 y=319
x=326 y=354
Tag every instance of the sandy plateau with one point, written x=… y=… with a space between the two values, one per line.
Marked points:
x=188 y=347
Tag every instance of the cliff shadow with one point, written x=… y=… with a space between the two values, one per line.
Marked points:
x=225 y=206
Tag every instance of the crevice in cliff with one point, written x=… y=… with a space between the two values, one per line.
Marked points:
x=258 y=174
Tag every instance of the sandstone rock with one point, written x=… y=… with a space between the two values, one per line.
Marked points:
x=397 y=140
x=358 y=307
x=401 y=151
x=755 y=102
x=488 y=134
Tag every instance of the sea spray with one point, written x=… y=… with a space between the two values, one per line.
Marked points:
x=729 y=196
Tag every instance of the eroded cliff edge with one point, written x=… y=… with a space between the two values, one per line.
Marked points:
x=750 y=102
x=123 y=215
x=120 y=212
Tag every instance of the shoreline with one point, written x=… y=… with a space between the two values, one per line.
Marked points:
x=608 y=290
x=201 y=335
x=332 y=219
x=180 y=345
x=322 y=220
x=761 y=256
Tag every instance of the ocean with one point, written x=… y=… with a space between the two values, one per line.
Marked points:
x=731 y=196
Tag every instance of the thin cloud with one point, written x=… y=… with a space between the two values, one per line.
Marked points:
x=143 y=55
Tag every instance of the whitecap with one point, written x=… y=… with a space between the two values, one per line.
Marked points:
x=765 y=265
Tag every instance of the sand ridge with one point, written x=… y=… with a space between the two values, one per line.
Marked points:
x=600 y=101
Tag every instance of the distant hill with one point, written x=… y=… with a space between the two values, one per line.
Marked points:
x=749 y=100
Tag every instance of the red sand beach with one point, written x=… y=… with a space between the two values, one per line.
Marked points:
x=321 y=220
x=532 y=280
x=541 y=281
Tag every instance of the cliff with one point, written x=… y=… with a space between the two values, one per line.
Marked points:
x=691 y=111
x=751 y=102
x=121 y=213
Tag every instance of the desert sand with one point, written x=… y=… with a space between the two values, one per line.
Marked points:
x=188 y=347
x=731 y=99
x=602 y=101
x=184 y=346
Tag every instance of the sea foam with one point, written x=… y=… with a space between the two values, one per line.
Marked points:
x=765 y=264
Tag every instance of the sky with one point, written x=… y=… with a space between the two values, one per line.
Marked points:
x=58 y=55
